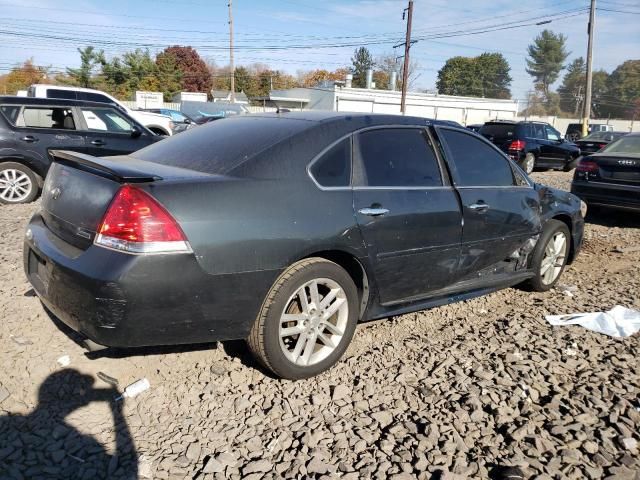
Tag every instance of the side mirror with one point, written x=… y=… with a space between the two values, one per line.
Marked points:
x=135 y=131
x=188 y=121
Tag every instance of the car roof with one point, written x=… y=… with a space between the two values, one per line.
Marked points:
x=69 y=87
x=57 y=102
x=358 y=119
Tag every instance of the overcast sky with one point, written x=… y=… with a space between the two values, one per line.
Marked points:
x=271 y=31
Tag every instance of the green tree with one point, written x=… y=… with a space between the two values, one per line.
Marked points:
x=599 y=93
x=484 y=76
x=90 y=58
x=546 y=59
x=573 y=85
x=623 y=90
x=136 y=70
x=361 y=62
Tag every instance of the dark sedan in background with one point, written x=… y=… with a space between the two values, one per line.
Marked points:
x=597 y=141
x=288 y=240
x=611 y=177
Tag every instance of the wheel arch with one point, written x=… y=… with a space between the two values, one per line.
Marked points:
x=27 y=163
x=353 y=267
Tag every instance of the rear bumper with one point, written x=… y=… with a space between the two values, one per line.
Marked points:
x=121 y=300
x=624 y=197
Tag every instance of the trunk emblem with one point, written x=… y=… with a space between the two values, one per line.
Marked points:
x=626 y=162
x=56 y=192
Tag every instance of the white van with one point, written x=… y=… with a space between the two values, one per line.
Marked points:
x=158 y=124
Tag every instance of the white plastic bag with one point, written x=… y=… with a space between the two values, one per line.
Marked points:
x=617 y=322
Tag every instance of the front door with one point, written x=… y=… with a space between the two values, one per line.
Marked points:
x=108 y=132
x=407 y=212
x=500 y=208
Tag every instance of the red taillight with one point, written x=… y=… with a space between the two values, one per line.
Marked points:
x=587 y=166
x=602 y=145
x=136 y=223
x=517 y=145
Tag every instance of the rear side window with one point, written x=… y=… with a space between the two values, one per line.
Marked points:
x=400 y=157
x=219 y=147
x=477 y=164
x=10 y=112
x=59 y=118
x=58 y=93
x=94 y=97
x=333 y=168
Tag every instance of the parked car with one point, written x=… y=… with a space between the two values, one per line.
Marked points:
x=158 y=124
x=205 y=112
x=323 y=219
x=181 y=122
x=532 y=144
x=611 y=177
x=596 y=141
x=574 y=130
x=475 y=127
x=31 y=127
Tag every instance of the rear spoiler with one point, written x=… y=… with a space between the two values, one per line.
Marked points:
x=115 y=170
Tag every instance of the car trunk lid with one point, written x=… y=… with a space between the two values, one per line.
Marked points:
x=621 y=168
x=79 y=189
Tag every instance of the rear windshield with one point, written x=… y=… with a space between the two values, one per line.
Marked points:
x=626 y=144
x=498 y=130
x=221 y=146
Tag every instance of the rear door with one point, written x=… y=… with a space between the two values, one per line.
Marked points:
x=554 y=148
x=407 y=211
x=500 y=207
x=40 y=128
x=109 y=132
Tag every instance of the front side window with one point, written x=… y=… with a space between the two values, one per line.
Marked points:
x=333 y=168
x=59 y=118
x=477 y=164
x=106 y=120
x=398 y=157
x=552 y=134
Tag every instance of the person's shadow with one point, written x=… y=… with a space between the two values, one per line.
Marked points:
x=43 y=445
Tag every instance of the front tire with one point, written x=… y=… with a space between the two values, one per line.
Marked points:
x=307 y=319
x=18 y=183
x=550 y=255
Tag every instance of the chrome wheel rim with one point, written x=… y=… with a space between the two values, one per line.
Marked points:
x=313 y=322
x=15 y=186
x=529 y=162
x=555 y=254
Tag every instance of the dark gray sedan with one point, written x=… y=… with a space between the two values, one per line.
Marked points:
x=287 y=230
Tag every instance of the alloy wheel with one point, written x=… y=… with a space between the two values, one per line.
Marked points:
x=555 y=254
x=313 y=322
x=529 y=162
x=15 y=186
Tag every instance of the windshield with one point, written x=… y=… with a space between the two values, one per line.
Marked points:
x=498 y=130
x=626 y=144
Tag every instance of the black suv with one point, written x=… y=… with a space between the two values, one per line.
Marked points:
x=30 y=127
x=532 y=144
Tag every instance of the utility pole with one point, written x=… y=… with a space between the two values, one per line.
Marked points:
x=407 y=46
x=587 y=97
x=231 y=66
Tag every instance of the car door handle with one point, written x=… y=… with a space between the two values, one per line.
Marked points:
x=479 y=207
x=373 y=212
x=29 y=138
x=98 y=143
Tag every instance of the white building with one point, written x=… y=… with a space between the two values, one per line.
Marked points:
x=464 y=110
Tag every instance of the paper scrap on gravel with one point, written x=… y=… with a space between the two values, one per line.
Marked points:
x=617 y=322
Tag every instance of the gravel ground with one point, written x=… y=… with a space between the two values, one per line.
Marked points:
x=452 y=392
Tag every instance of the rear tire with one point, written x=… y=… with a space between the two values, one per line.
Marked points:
x=550 y=256
x=529 y=163
x=574 y=136
x=307 y=319
x=18 y=183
